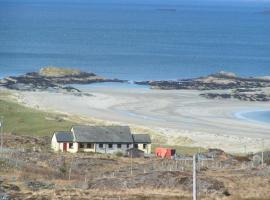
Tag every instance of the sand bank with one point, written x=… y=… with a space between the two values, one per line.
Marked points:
x=209 y=123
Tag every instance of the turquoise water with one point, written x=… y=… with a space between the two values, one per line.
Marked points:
x=135 y=39
x=257 y=116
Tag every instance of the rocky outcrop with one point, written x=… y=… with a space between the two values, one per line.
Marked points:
x=60 y=80
x=245 y=89
x=219 y=81
x=240 y=96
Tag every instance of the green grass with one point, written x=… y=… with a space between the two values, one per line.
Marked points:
x=26 y=121
x=180 y=149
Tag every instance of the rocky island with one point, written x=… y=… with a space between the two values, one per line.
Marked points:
x=223 y=85
x=52 y=78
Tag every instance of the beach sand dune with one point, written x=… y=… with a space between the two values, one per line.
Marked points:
x=209 y=123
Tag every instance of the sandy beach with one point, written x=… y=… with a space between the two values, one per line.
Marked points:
x=175 y=114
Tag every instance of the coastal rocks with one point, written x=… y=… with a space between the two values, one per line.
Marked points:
x=52 y=78
x=219 y=81
x=240 y=96
x=230 y=86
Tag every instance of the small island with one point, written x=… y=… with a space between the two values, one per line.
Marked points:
x=222 y=85
x=52 y=78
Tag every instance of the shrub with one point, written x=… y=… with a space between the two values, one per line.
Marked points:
x=119 y=154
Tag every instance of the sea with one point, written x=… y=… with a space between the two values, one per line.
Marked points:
x=259 y=116
x=136 y=39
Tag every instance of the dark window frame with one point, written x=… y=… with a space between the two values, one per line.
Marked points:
x=101 y=146
x=110 y=146
x=119 y=146
x=71 y=145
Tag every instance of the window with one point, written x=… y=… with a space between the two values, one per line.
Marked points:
x=128 y=145
x=81 y=145
x=100 y=145
x=110 y=146
x=119 y=146
x=89 y=145
x=144 y=146
x=136 y=146
x=71 y=145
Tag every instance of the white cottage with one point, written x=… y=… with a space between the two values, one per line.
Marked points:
x=102 y=139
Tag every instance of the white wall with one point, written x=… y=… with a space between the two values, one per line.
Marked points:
x=114 y=148
x=60 y=146
x=54 y=144
x=85 y=149
x=74 y=149
x=146 y=150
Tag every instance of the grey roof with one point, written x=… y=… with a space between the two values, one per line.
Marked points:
x=141 y=138
x=102 y=134
x=62 y=136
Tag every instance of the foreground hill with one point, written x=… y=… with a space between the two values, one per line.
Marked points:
x=30 y=171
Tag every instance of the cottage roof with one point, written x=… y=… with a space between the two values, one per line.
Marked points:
x=102 y=134
x=141 y=138
x=62 y=136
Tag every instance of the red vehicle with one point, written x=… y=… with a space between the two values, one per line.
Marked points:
x=165 y=152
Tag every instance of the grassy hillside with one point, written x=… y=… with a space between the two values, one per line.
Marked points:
x=58 y=72
x=26 y=121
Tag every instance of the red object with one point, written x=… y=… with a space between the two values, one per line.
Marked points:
x=164 y=152
x=65 y=147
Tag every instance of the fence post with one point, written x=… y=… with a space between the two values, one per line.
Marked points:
x=194 y=177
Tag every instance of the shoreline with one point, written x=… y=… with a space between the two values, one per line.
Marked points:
x=180 y=114
x=240 y=115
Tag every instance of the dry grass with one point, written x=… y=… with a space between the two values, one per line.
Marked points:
x=51 y=71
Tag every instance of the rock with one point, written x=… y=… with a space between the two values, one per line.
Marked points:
x=4 y=196
x=219 y=81
x=37 y=185
x=9 y=187
x=224 y=74
x=52 y=79
x=261 y=97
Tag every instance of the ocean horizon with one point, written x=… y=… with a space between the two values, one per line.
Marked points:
x=136 y=40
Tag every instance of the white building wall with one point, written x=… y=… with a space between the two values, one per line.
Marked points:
x=85 y=149
x=61 y=147
x=114 y=148
x=54 y=144
x=146 y=150
x=74 y=148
